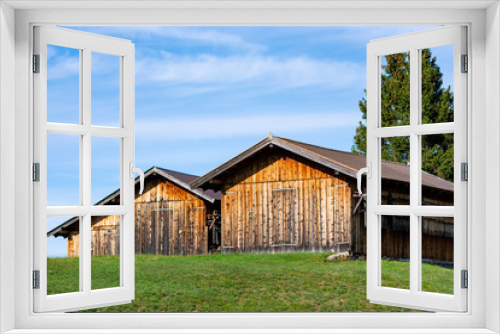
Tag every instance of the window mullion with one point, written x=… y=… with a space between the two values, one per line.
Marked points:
x=85 y=178
x=415 y=173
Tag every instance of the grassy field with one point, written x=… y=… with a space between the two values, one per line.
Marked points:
x=299 y=282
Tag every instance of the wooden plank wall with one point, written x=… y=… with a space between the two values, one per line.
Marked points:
x=74 y=245
x=105 y=235
x=280 y=204
x=175 y=227
x=168 y=221
x=437 y=238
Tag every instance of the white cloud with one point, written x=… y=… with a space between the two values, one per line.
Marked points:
x=233 y=126
x=61 y=67
x=201 y=35
x=257 y=69
x=207 y=36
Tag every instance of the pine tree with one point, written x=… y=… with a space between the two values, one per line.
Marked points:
x=437 y=107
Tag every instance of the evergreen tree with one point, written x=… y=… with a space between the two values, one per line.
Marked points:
x=437 y=107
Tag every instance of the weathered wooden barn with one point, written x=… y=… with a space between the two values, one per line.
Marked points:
x=171 y=218
x=281 y=195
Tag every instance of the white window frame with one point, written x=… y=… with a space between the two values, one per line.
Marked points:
x=414 y=43
x=484 y=211
x=87 y=44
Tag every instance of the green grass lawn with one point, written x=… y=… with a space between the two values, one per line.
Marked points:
x=298 y=282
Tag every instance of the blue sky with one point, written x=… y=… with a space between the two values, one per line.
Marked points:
x=205 y=94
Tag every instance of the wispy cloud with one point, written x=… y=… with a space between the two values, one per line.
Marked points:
x=207 y=36
x=260 y=70
x=198 y=35
x=64 y=63
x=61 y=67
x=241 y=126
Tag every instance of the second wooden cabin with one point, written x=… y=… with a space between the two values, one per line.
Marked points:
x=171 y=218
x=281 y=195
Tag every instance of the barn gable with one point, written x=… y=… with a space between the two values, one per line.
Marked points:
x=176 y=178
x=170 y=218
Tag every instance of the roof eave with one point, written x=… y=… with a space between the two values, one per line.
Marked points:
x=185 y=185
x=202 y=181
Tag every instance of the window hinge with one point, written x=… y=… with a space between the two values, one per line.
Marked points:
x=36 y=279
x=465 y=279
x=36 y=172
x=464 y=171
x=465 y=64
x=36 y=63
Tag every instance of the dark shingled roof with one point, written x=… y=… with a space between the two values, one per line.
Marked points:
x=188 y=178
x=390 y=170
x=345 y=162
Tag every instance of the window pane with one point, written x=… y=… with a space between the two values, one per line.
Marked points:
x=437 y=169
x=105 y=168
x=105 y=90
x=395 y=170
x=437 y=254
x=437 y=84
x=395 y=89
x=395 y=251
x=63 y=170
x=105 y=248
x=63 y=262
x=63 y=85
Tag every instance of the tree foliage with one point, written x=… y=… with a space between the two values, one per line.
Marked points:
x=437 y=107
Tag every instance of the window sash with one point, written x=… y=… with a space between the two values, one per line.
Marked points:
x=86 y=297
x=414 y=297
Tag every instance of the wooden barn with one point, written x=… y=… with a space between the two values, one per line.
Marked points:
x=281 y=195
x=170 y=219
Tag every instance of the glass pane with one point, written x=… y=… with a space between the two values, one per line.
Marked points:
x=63 y=85
x=105 y=90
x=63 y=170
x=437 y=254
x=395 y=170
x=395 y=89
x=395 y=251
x=437 y=85
x=437 y=169
x=105 y=248
x=63 y=250
x=105 y=167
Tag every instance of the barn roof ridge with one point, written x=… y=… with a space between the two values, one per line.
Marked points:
x=280 y=142
x=320 y=146
x=174 y=171
x=154 y=169
x=319 y=155
x=351 y=153
x=310 y=151
x=385 y=162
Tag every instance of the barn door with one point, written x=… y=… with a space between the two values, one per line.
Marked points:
x=417 y=245
x=284 y=223
x=83 y=151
